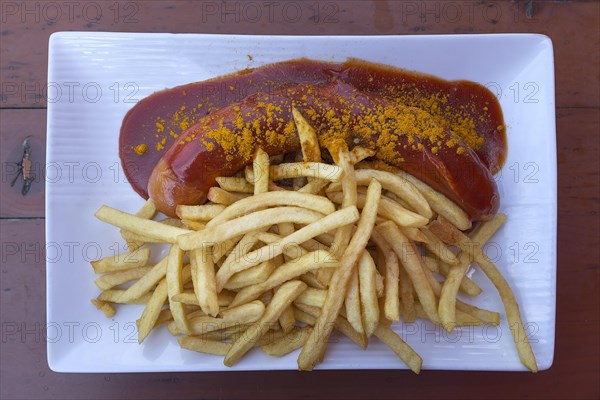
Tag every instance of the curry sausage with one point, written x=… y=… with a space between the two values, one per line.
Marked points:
x=406 y=137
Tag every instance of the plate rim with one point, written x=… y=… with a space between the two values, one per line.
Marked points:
x=53 y=361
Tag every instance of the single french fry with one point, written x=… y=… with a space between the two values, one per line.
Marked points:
x=234 y=184
x=368 y=293
x=206 y=291
x=315 y=346
x=114 y=296
x=204 y=346
x=252 y=276
x=204 y=212
x=148 y=210
x=136 y=240
x=309 y=142
x=113 y=279
x=352 y=303
x=174 y=277
x=360 y=153
x=332 y=221
x=399 y=346
x=107 y=308
x=141 y=226
x=152 y=311
x=134 y=259
x=260 y=167
x=284 y=296
x=485 y=316
x=220 y=196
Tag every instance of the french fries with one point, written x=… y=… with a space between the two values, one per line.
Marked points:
x=397 y=185
x=368 y=293
x=279 y=268
x=314 y=348
x=202 y=345
x=282 y=298
x=411 y=260
x=454 y=236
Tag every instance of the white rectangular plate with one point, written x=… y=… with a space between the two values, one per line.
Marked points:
x=94 y=78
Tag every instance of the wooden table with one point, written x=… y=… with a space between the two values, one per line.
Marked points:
x=574 y=28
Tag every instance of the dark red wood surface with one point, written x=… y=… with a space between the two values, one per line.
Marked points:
x=574 y=28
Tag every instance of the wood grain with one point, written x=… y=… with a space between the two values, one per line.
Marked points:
x=573 y=27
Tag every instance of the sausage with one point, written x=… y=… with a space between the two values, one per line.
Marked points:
x=152 y=125
x=223 y=142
